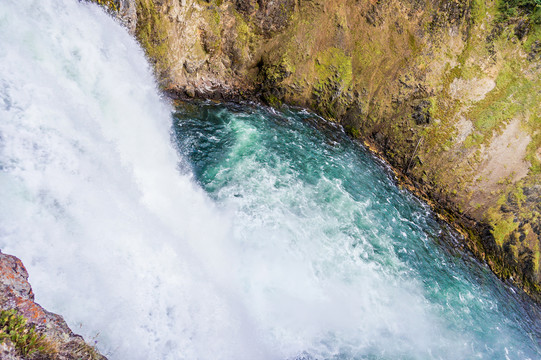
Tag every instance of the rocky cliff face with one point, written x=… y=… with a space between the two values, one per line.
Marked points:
x=448 y=90
x=27 y=331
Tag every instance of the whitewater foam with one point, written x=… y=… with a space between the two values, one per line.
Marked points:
x=92 y=200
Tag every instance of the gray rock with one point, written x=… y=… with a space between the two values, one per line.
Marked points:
x=128 y=15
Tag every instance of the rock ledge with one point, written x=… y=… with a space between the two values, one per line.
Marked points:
x=58 y=339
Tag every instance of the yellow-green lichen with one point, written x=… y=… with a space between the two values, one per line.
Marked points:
x=245 y=34
x=152 y=33
x=502 y=226
x=334 y=75
x=111 y=5
x=333 y=65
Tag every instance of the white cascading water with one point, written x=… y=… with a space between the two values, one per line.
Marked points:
x=92 y=200
x=135 y=255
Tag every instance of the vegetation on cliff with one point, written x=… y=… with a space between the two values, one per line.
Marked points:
x=14 y=328
x=514 y=8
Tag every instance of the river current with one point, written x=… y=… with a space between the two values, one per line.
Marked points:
x=219 y=231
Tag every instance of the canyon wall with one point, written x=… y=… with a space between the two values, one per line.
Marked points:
x=449 y=91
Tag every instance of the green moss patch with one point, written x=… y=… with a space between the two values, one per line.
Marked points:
x=333 y=71
x=503 y=226
x=334 y=64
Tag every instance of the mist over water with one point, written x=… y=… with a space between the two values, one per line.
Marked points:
x=242 y=234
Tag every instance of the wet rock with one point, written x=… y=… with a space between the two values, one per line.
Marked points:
x=380 y=138
x=353 y=118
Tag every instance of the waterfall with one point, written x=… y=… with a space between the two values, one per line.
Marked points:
x=152 y=257
x=92 y=199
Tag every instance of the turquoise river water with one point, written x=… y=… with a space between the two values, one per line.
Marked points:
x=332 y=253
